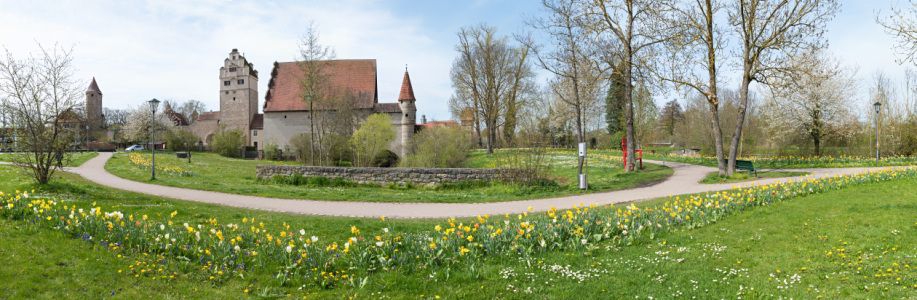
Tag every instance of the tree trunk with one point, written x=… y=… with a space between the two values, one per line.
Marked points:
x=718 y=137
x=629 y=95
x=311 y=133
x=712 y=98
x=740 y=120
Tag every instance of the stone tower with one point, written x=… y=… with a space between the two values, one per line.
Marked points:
x=94 y=109
x=238 y=94
x=406 y=101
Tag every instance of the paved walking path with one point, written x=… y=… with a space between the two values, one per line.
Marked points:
x=683 y=181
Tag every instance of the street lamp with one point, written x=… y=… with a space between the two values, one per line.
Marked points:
x=877 y=105
x=153 y=105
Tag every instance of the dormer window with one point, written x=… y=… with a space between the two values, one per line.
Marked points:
x=233 y=69
x=241 y=81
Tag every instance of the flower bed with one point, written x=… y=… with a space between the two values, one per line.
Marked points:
x=297 y=256
x=145 y=164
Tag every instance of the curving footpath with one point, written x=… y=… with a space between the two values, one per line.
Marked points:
x=683 y=181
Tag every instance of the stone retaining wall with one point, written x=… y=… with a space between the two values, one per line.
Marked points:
x=384 y=176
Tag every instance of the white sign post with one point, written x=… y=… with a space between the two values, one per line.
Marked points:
x=583 y=182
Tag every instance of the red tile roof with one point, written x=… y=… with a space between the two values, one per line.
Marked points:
x=407 y=91
x=210 y=115
x=434 y=124
x=93 y=87
x=386 y=108
x=176 y=118
x=258 y=121
x=358 y=75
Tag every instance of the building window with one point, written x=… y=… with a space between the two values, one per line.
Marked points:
x=233 y=57
x=226 y=83
x=256 y=145
x=233 y=98
x=92 y=95
x=227 y=92
x=241 y=81
x=233 y=69
x=254 y=133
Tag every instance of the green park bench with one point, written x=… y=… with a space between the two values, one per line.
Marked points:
x=746 y=165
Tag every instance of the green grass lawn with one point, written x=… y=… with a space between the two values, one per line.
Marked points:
x=855 y=243
x=215 y=173
x=74 y=160
x=714 y=177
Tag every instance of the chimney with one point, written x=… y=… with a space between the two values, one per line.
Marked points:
x=423 y=119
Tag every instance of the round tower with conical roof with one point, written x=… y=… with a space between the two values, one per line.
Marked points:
x=94 y=108
x=406 y=101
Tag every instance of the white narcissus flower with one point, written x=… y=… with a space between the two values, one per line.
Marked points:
x=302 y=232
x=583 y=241
x=314 y=239
x=385 y=230
x=289 y=249
x=237 y=248
x=162 y=227
x=379 y=244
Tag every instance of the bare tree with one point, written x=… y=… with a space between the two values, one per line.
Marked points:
x=816 y=100
x=114 y=117
x=314 y=82
x=671 y=115
x=637 y=27
x=39 y=93
x=490 y=75
x=569 y=61
x=903 y=25
x=191 y=109
x=693 y=60
x=770 y=33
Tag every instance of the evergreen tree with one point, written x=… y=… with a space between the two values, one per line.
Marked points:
x=614 y=107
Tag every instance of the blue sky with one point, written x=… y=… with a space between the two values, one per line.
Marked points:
x=140 y=50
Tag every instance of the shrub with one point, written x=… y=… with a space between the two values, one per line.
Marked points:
x=301 y=147
x=228 y=142
x=271 y=150
x=179 y=140
x=297 y=180
x=374 y=136
x=442 y=147
x=385 y=159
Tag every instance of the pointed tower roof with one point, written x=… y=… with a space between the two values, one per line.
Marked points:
x=407 y=92
x=93 y=87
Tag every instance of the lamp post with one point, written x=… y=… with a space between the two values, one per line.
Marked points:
x=877 y=105
x=153 y=104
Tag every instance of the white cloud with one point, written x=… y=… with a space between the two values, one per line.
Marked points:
x=174 y=49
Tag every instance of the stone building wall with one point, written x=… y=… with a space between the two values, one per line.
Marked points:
x=384 y=176
x=281 y=127
x=204 y=129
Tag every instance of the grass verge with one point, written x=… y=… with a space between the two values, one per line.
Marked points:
x=714 y=177
x=71 y=160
